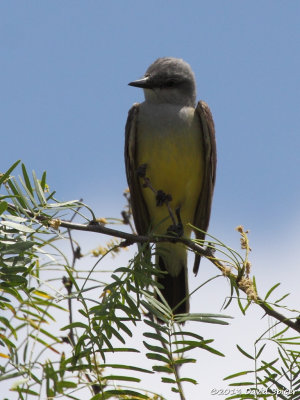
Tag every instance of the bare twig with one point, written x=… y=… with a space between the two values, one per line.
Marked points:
x=131 y=239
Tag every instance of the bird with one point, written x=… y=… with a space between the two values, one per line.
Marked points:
x=170 y=162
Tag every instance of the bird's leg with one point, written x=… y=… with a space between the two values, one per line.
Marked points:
x=177 y=228
x=179 y=224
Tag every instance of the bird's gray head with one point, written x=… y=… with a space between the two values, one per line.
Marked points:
x=168 y=80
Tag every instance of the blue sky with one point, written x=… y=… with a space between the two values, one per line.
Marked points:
x=65 y=66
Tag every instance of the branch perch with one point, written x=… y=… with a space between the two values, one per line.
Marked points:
x=130 y=239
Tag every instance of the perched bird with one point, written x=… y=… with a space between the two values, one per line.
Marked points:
x=170 y=157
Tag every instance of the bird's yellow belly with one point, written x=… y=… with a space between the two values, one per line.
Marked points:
x=174 y=164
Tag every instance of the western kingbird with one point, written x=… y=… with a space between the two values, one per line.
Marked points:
x=170 y=157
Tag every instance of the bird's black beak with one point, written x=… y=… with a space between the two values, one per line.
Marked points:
x=144 y=83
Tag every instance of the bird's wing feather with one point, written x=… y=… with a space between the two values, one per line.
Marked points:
x=202 y=214
x=138 y=206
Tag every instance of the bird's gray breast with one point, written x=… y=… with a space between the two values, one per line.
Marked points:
x=164 y=119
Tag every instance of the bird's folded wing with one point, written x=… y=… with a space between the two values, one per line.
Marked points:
x=202 y=214
x=138 y=206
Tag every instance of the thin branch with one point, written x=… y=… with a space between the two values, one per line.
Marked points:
x=131 y=239
x=207 y=252
x=273 y=313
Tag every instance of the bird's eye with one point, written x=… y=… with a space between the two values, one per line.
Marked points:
x=170 y=83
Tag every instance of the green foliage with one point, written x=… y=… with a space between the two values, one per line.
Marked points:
x=275 y=379
x=64 y=331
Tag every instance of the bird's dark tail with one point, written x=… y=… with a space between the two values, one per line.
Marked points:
x=175 y=288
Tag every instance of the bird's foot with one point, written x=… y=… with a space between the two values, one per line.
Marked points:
x=176 y=229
